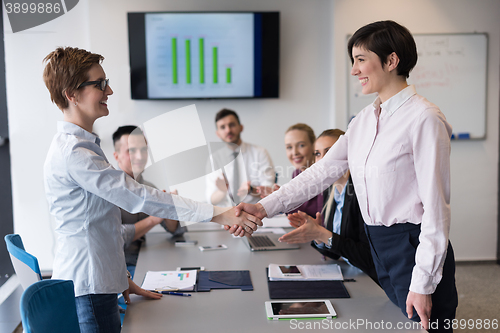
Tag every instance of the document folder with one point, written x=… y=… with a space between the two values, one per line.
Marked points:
x=208 y=280
x=306 y=289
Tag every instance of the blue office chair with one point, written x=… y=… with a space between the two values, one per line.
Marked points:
x=49 y=306
x=25 y=264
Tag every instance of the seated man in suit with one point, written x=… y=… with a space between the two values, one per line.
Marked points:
x=341 y=232
x=131 y=153
x=251 y=168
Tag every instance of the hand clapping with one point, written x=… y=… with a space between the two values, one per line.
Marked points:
x=308 y=229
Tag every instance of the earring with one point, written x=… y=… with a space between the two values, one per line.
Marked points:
x=76 y=103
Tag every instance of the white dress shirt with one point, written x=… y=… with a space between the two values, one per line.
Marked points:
x=84 y=193
x=399 y=156
x=255 y=165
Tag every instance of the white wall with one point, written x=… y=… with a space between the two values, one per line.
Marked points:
x=32 y=121
x=474 y=165
x=313 y=71
x=101 y=26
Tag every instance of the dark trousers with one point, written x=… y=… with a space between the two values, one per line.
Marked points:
x=393 y=250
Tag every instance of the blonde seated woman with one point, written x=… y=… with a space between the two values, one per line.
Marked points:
x=299 y=145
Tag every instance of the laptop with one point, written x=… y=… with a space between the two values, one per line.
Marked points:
x=268 y=242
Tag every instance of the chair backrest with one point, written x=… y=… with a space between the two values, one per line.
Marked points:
x=49 y=306
x=25 y=264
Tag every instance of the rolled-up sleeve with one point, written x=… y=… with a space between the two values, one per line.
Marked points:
x=93 y=173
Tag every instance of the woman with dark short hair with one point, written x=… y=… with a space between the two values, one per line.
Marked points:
x=398 y=152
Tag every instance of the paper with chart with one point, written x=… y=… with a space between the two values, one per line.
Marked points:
x=169 y=280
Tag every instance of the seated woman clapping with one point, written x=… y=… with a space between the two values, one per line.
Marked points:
x=338 y=229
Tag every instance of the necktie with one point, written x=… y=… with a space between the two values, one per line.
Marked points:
x=236 y=179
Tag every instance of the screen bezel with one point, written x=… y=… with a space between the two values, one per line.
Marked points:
x=329 y=306
x=268 y=76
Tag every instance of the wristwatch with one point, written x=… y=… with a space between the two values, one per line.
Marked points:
x=329 y=244
x=129 y=275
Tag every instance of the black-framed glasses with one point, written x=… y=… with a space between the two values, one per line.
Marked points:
x=102 y=84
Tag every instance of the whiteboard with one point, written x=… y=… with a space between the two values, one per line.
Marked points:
x=451 y=72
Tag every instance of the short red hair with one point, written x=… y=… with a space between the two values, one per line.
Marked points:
x=65 y=70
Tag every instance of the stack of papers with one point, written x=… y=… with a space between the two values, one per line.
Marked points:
x=278 y=231
x=170 y=280
x=308 y=273
x=279 y=221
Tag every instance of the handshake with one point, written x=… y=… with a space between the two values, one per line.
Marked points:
x=241 y=220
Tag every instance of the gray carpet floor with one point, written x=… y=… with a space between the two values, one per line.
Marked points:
x=478 y=288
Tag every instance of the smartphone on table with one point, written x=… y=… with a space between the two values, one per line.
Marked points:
x=213 y=248
x=290 y=270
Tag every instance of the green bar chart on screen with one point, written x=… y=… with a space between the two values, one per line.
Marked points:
x=174 y=61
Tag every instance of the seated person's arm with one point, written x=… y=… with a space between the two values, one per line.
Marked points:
x=264 y=191
x=173 y=226
x=247 y=188
x=268 y=176
x=144 y=225
x=220 y=193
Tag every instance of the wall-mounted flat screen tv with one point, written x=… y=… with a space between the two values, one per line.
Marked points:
x=204 y=55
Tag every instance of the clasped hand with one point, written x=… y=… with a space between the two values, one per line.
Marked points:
x=256 y=211
x=243 y=223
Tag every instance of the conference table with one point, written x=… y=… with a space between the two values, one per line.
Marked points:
x=232 y=310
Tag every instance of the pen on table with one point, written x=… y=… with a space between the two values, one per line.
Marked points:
x=172 y=293
x=349 y=280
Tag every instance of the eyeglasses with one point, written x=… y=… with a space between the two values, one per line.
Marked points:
x=102 y=84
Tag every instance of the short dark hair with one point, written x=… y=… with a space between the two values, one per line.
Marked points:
x=333 y=133
x=383 y=38
x=224 y=113
x=123 y=130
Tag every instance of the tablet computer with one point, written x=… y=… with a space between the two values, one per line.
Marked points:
x=277 y=310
